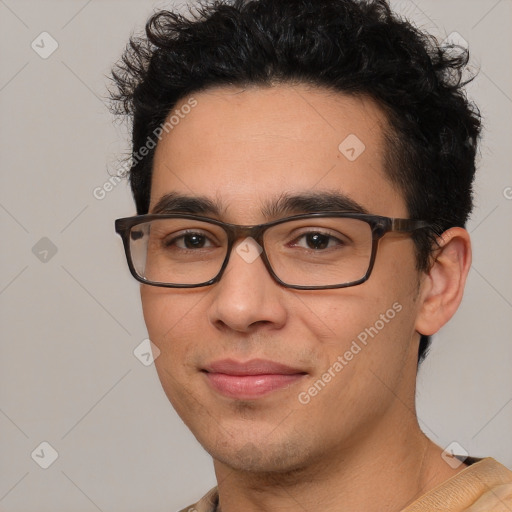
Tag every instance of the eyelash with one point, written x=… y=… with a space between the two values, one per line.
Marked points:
x=295 y=241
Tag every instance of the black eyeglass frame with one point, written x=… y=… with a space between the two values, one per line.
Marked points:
x=379 y=225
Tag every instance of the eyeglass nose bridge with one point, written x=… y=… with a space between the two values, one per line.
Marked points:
x=256 y=233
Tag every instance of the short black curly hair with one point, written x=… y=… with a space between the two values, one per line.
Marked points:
x=357 y=47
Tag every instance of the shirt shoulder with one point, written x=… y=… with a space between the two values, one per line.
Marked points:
x=208 y=503
x=485 y=486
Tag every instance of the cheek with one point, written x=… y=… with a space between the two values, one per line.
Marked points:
x=338 y=317
x=173 y=322
x=157 y=316
x=368 y=328
x=171 y=326
x=362 y=361
x=168 y=314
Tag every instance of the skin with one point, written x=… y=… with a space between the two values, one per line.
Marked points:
x=357 y=444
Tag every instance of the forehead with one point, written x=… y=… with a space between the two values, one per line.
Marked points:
x=247 y=147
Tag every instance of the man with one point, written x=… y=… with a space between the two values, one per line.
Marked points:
x=302 y=172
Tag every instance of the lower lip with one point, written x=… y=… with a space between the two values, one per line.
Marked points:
x=246 y=387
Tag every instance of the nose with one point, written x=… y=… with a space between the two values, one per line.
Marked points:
x=247 y=297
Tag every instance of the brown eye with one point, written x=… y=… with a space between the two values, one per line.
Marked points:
x=189 y=241
x=316 y=241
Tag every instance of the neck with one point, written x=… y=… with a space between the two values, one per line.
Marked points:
x=383 y=472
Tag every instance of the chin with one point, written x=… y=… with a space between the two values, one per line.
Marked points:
x=258 y=457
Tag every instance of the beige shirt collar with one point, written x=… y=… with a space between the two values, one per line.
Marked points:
x=485 y=486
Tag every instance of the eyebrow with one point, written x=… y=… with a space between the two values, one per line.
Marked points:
x=195 y=205
x=284 y=205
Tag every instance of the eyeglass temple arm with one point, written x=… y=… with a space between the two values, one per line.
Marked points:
x=408 y=225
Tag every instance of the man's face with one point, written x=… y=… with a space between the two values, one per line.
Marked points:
x=243 y=149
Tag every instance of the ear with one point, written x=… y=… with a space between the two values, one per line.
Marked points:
x=443 y=286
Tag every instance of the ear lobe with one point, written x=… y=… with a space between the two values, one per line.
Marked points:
x=443 y=286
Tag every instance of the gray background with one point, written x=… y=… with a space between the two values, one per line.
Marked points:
x=71 y=320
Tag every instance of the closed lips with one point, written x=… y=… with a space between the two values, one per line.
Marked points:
x=252 y=367
x=251 y=379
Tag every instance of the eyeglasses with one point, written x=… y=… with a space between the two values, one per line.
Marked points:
x=307 y=252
